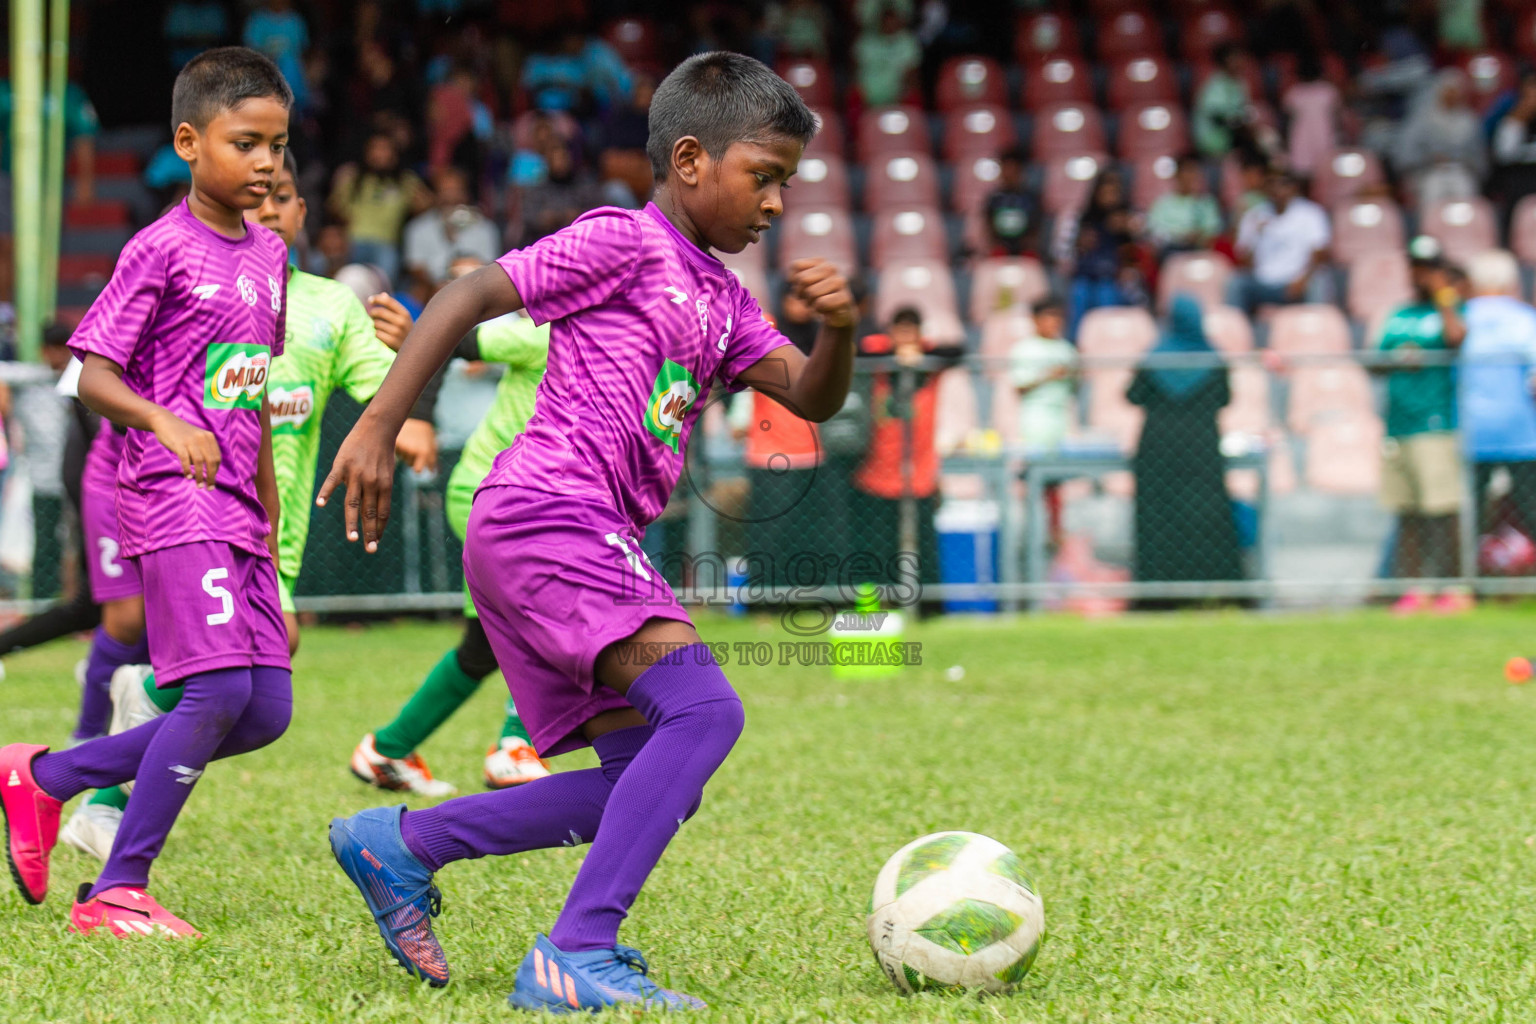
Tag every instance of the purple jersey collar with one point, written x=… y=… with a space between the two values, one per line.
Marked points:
x=698 y=257
x=185 y=211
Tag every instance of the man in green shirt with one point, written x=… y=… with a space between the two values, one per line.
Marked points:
x=1188 y=217
x=1421 y=474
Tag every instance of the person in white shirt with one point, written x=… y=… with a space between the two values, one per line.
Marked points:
x=1283 y=245
x=1042 y=370
x=452 y=229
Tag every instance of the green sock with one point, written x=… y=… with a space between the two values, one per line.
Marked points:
x=514 y=726
x=440 y=695
x=112 y=796
x=163 y=699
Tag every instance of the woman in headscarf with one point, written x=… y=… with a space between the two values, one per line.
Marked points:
x=1441 y=151
x=1184 y=524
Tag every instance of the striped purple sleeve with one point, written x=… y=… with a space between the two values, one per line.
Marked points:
x=118 y=321
x=752 y=339
x=577 y=267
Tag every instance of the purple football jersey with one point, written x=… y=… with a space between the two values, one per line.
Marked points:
x=642 y=321
x=194 y=318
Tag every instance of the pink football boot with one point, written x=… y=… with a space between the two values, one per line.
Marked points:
x=31 y=820
x=122 y=911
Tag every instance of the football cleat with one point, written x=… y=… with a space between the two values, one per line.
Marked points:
x=396 y=886
x=397 y=774
x=92 y=829
x=124 y=911
x=558 y=982
x=513 y=762
x=31 y=820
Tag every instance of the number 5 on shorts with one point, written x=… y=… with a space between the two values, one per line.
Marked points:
x=226 y=600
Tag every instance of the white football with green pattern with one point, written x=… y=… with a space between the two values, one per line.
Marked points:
x=955 y=910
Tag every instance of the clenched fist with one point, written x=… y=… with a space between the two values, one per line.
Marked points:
x=822 y=287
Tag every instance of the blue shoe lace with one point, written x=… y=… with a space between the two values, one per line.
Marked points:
x=620 y=972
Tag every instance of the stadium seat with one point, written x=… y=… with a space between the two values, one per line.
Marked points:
x=1465 y=227
x=754 y=279
x=1228 y=329
x=1308 y=330
x=1127 y=33
x=1321 y=391
x=999 y=330
x=970 y=80
x=85 y=268
x=1068 y=180
x=1525 y=35
x=1378 y=281
x=892 y=130
x=1249 y=410
x=1012 y=283
x=1203 y=275
x=1151 y=179
x=977 y=131
x=100 y=214
x=1344 y=455
x=908 y=232
x=827 y=233
x=109 y=164
x=822 y=180
x=1210 y=28
x=633 y=38
x=956 y=410
x=928 y=285
x=1345 y=175
x=1153 y=129
x=1068 y=128
x=1038 y=37
x=1061 y=79
x=829 y=139
x=1489 y=74
x=812 y=79
x=1145 y=78
x=975 y=179
x=1364 y=226
x=1522 y=230
x=1116 y=331
x=902 y=179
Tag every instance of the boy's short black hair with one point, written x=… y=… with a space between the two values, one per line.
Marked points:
x=907 y=315
x=1051 y=303
x=221 y=79
x=720 y=98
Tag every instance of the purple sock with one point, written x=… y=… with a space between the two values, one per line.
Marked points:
x=561 y=810
x=697 y=718
x=107 y=656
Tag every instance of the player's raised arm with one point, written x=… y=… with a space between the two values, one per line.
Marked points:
x=365 y=463
x=814 y=387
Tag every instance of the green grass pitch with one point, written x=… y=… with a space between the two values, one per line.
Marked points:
x=1232 y=819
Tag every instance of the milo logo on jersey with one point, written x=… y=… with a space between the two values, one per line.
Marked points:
x=236 y=376
x=291 y=408
x=672 y=396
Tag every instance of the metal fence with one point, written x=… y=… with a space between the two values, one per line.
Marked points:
x=1259 y=485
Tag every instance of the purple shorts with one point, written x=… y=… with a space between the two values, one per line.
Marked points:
x=113 y=578
x=209 y=605
x=556 y=579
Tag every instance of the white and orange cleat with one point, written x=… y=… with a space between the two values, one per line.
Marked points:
x=407 y=774
x=122 y=911
x=513 y=762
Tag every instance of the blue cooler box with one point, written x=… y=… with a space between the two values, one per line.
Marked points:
x=967 y=548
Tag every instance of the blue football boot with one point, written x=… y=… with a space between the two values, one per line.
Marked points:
x=557 y=982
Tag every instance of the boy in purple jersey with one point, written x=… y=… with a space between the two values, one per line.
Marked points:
x=595 y=647
x=176 y=351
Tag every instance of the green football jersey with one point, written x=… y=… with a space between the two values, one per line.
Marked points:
x=329 y=343
x=523 y=347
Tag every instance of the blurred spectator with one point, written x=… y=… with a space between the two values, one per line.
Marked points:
x=1222 y=107
x=374 y=200
x=192 y=26
x=450 y=229
x=1421 y=471
x=886 y=60
x=80 y=128
x=1498 y=364
x=1042 y=369
x=1013 y=211
x=560 y=198
x=625 y=130
x=1461 y=25
x=578 y=74
x=1514 y=146
x=1188 y=217
x=43 y=415
x=1283 y=242
x=800 y=26
x=1101 y=246
x=332 y=251
x=868 y=14
x=1440 y=151
x=381 y=97
x=278 y=31
x=1253 y=173
x=458 y=123
x=1312 y=105
x=1184 y=524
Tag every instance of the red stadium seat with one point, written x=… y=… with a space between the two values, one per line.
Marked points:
x=1154 y=129
x=1343 y=455
x=1365 y=226
x=975 y=179
x=1309 y=329
x=1068 y=180
x=966 y=81
x=977 y=131
x=1060 y=79
x=1465 y=227
x=1037 y=37
x=1128 y=33
x=1000 y=331
x=1378 y=281
x=1522 y=230
x=1202 y=275
x=1525 y=35
x=633 y=38
x=829 y=139
x=1229 y=330
x=1210 y=28
x=1490 y=75
x=1122 y=333
x=1345 y=175
x=956 y=412
x=1006 y=283
x=892 y=130
x=1068 y=128
x=827 y=233
x=908 y=232
x=1153 y=179
x=103 y=213
x=926 y=284
x=1142 y=79
x=85 y=268
x=902 y=179
x=822 y=180
x=812 y=78
x=1323 y=390
x=112 y=163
